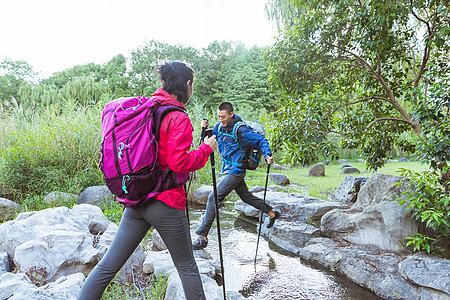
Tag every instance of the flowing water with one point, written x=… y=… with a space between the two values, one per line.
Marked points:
x=278 y=274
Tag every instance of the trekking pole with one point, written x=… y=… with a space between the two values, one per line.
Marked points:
x=213 y=168
x=187 y=200
x=262 y=213
x=202 y=135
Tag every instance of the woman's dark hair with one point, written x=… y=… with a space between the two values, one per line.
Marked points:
x=174 y=77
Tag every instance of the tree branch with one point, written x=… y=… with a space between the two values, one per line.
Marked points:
x=359 y=58
x=378 y=64
x=337 y=132
x=368 y=98
x=420 y=19
x=351 y=85
x=387 y=119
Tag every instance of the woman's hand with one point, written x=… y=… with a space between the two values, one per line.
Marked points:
x=211 y=141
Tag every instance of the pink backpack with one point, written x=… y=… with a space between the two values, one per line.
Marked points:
x=130 y=129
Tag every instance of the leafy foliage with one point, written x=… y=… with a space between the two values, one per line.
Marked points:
x=55 y=151
x=300 y=132
x=14 y=74
x=430 y=204
x=371 y=59
x=225 y=71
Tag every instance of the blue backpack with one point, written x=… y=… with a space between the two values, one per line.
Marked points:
x=253 y=155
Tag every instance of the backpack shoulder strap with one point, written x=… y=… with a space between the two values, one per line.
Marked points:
x=235 y=131
x=158 y=115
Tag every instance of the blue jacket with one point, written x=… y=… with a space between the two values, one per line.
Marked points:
x=231 y=151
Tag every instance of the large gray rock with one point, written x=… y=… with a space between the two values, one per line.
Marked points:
x=280 y=179
x=368 y=267
x=256 y=189
x=60 y=197
x=96 y=195
x=8 y=209
x=388 y=275
x=275 y=188
x=19 y=287
x=317 y=170
x=346 y=166
x=276 y=167
x=290 y=231
x=374 y=220
x=4 y=262
x=281 y=167
x=350 y=170
x=134 y=261
x=380 y=188
x=160 y=263
x=157 y=242
x=59 y=241
x=428 y=271
x=200 y=195
x=348 y=190
x=290 y=236
x=246 y=209
x=298 y=207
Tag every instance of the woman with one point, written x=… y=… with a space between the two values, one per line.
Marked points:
x=166 y=212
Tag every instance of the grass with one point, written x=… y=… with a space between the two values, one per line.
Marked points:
x=143 y=287
x=321 y=187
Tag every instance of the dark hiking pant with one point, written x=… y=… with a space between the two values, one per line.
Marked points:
x=226 y=185
x=173 y=228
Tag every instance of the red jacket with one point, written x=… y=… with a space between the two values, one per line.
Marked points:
x=175 y=140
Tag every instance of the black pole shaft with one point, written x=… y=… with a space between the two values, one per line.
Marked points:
x=187 y=198
x=213 y=168
x=202 y=135
x=262 y=212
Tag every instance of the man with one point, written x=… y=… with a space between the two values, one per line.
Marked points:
x=232 y=152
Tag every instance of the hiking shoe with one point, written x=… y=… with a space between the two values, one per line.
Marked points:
x=272 y=220
x=199 y=243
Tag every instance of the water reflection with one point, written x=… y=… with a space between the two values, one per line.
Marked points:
x=277 y=274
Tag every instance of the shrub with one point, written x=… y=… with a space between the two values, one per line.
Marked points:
x=430 y=204
x=55 y=150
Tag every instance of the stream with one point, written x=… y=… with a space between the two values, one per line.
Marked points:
x=279 y=274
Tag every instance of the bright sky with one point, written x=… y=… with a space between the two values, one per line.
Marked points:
x=52 y=35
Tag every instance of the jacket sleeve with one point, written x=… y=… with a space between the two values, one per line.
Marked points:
x=216 y=129
x=179 y=159
x=251 y=138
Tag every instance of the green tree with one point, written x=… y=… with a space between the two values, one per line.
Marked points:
x=212 y=71
x=365 y=63
x=14 y=74
x=116 y=77
x=247 y=84
x=85 y=91
x=143 y=79
x=59 y=79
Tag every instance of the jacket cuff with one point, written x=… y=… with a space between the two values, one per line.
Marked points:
x=206 y=148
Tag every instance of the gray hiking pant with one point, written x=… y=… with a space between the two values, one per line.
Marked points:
x=226 y=185
x=173 y=228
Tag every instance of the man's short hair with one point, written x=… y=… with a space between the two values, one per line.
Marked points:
x=226 y=106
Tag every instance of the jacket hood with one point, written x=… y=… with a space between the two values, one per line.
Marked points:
x=166 y=98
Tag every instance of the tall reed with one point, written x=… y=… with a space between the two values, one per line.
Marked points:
x=56 y=149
